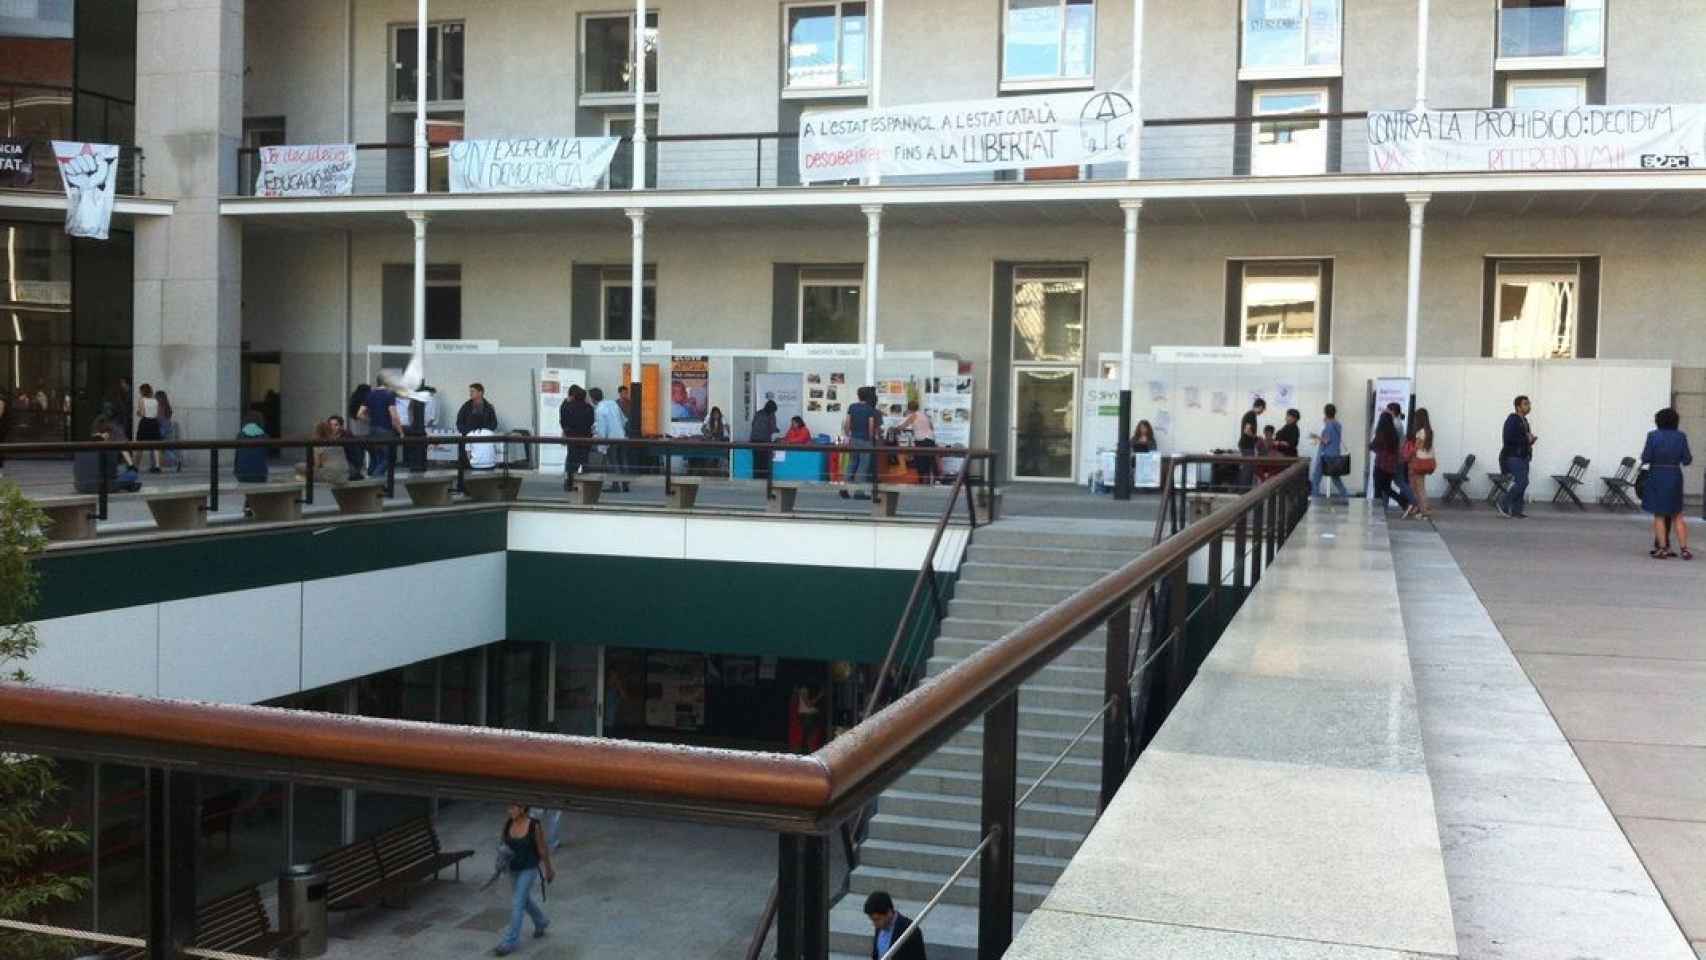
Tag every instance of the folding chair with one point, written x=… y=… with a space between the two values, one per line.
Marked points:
x=1454 y=482
x=1619 y=486
x=1501 y=483
x=1568 y=482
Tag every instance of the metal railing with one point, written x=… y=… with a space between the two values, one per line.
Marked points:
x=131 y=170
x=804 y=799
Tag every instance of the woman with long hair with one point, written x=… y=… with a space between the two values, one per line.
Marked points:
x=1421 y=463
x=1143 y=438
x=1665 y=454
x=1385 y=448
x=715 y=428
x=169 y=459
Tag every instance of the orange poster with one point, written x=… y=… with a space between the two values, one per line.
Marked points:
x=652 y=417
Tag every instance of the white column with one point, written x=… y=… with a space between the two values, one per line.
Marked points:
x=873 y=247
x=1134 y=146
x=875 y=81
x=637 y=277
x=1421 y=55
x=1413 y=293
x=639 y=129
x=420 y=98
x=418 y=343
x=1128 y=301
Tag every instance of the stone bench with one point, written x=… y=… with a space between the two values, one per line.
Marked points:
x=492 y=487
x=587 y=487
x=885 y=502
x=180 y=509
x=783 y=496
x=430 y=489
x=68 y=517
x=359 y=496
x=279 y=501
x=683 y=491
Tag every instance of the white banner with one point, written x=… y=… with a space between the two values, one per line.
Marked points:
x=1631 y=137
x=540 y=164
x=1050 y=130
x=314 y=170
x=90 y=174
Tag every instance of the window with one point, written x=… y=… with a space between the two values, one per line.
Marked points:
x=1048 y=43
x=1288 y=147
x=827 y=45
x=1562 y=94
x=1048 y=315
x=830 y=305
x=442 y=128
x=621 y=175
x=1280 y=306
x=45 y=19
x=263 y=132
x=607 y=56
x=616 y=291
x=1290 y=38
x=443 y=302
x=1535 y=309
x=443 y=64
x=1543 y=33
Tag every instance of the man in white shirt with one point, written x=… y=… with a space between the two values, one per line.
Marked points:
x=608 y=423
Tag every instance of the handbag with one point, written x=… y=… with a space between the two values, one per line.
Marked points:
x=1336 y=466
x=1424 y=467
x=1641 y=482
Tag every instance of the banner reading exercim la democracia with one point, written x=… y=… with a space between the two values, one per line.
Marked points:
x=1049 y=130
x=530 y=165
x=1627 y=137
x=90 y=174
x=316 y=170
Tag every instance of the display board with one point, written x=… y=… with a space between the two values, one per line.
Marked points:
x=551 y=388
x=787 y=389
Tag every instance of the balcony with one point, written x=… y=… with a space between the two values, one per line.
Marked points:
x=131 y=173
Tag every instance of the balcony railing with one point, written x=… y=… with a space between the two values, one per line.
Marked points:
x=131 y=175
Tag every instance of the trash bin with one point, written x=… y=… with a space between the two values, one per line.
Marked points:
x=302 y=909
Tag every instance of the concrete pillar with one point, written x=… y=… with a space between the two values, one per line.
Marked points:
x=1134 y=148
x=420 y=97
x=189 y=283
x=1413 y=292
x=873 y=247
x=639 y=127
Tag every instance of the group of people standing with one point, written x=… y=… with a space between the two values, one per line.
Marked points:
x=589 y=414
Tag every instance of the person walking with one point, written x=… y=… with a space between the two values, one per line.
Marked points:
x=763 y=431
x=608 y=423
x=1420 y=463
x=1384 y=446
x=529 y=864
x=148 y=423
x=169 y=459
x=889 y=927
x=1666 y=453
x=861 y=425
x=575 y=418
x=1515 y=456
x=383 y=427
x=1329 y=454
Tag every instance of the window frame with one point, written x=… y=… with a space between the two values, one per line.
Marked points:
x=1300 y=71
x=1061 y=81
x=255 y=129
x=614 y=117
x=1050 y=273
x=620 y=97
x=1326 y=276
x=827 y=276
x=1499 y=265
x=621 y=276
x=837 y=89
x=1256 y=94
x=407 y=105
x=1520 y=82
x=1560 y=62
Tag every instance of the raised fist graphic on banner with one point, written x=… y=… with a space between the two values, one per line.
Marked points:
x=90 y=174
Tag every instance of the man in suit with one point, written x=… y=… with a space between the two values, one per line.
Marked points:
x=890 y=926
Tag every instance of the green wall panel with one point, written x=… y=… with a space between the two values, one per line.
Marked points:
x=756 y=609
x=124 y=575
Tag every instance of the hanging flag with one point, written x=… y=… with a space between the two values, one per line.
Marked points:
x=90 y=174
x=16 y=167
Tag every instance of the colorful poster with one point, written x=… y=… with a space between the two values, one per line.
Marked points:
x=17 y=169
x=533 y=165
x=689 y=394
x=1012 y=133
x=891 y=401
x=652 y=388
x=90 y=174
x=1622 y=137
x=318 y=170
x=948 y=402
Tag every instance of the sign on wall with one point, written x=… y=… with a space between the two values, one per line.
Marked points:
x=314 y=170
x=16 y=167
x=533 y=165
x=90 y=174
x=1050 y=130
x=1627 y=137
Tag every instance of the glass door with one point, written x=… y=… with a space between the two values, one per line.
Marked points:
x=1044 y=409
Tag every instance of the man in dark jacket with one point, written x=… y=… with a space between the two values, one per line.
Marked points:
x=1515 y=456
x=890 y=926
x=476 y=414
x=575 y=416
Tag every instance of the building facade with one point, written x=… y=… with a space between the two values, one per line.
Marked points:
x=1273 y=235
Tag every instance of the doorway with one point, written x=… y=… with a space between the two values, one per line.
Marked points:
x=1043 y=418
x=262 y=383
x=1047 y=350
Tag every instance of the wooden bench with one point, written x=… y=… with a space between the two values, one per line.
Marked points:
x=68 y=517
x=234 y=923
x=181 y=509
x=783 y=496
x=587 y=488
x=367 y=871
x=430 y=489
x=683 y=491
x=279 y=501
x=359 y=496
x=492 y=487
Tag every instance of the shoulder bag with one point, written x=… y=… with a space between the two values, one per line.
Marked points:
x=1336 y=466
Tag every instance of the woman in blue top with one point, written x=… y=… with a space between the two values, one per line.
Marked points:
x=529 y=867
x=1329 y=443
x=1666 y=453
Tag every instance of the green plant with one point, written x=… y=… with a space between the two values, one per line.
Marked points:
x=29 y=785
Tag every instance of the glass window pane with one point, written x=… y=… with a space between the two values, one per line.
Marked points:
x=1048 y=317
x=451 y=67
x=811 y=46
x=1043 y=409
x=1565 y=95
x=1551 y=28
x=1281 y=302
x=652 y=37
x=1289 y=147
x=38 y=18
x=1080 y=38
x=855 y=44
x=1324 y=30
x=1586 y=28
x=1032 y=39
x=606 y=69
x=619 y=312
x=829 y=313
x=1274 y=33
x=1536 y=311
x=403 y=65
x=432 y=57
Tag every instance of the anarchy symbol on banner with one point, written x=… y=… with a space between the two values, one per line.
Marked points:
x=1103 y=118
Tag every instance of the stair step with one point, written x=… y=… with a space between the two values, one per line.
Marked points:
x=943 y=859
x=1039 y=814
x=983 y=552
x=1032 y=841
x=950 y=931
x=1053 y=675
x=984 y=572
x=1086 y=769
x=973 y=629
x=915 y=887
x=1048 y=742
x=1005 y=611
x=1087 y=653
x=966 y=783
x=999 y=535
x=1012 y=592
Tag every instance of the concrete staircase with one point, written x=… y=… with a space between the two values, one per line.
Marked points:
x=929 y=820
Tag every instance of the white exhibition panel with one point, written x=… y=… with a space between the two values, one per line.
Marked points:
x=113 y=650
x=204 y=655
x=356 y=625
x=779 y=540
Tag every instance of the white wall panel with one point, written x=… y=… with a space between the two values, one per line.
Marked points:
x=239 y=647
x=608 y=534
x=114 y=650
x=836 y=544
